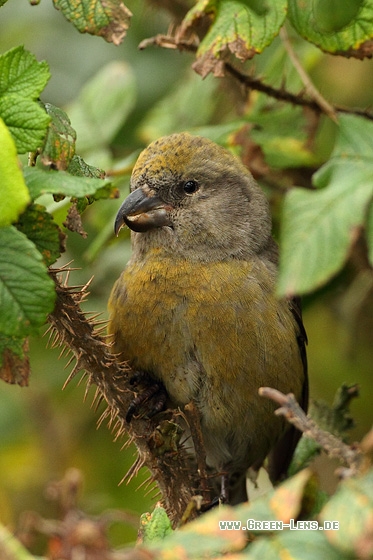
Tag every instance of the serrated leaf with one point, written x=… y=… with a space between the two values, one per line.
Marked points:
x=102 y=106
x=343 y=28
x=318 y=227
x=26 y=291
x=62 y=183
x=26 y=120
x=39 y=226
x=22 y=74
x=80 y=168
x=22 y=79
x=352 y=507
x=241 y=27
x=59 y=146
x=14 y=360
x=109 y=19
x=14 y=195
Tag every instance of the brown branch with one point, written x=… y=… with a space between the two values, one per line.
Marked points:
x=194 y=423
x=74 y=330
x=170 y=42
x=333 y=446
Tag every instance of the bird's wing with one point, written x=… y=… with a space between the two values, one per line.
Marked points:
x=281 y=455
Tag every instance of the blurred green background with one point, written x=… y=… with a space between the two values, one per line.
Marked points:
x=44 y=430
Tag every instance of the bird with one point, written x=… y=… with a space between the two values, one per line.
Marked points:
x=196 y=307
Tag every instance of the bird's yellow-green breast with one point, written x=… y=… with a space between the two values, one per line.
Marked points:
x=167 y=314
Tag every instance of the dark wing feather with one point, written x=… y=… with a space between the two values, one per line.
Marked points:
x=281 y=455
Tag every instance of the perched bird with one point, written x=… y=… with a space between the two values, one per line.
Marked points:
x=195 y=307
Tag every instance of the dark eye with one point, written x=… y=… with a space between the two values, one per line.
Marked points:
x=190 y=187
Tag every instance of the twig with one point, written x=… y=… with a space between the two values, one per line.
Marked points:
x=169 y=42
x=92 y=354
x=332 y=445
x=194 y=423
x=311 y=89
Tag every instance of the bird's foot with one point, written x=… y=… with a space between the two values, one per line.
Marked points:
x=150 y=392
x=222 y=498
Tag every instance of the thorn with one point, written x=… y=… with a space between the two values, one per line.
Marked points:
x=66 y=281
x=120 y=433
x=97 y=399
x=98 y=332
x=127 y=443
x=103 y=416
x=157 y=493
x=102 y=322
x=84 y=375
x=55 y=339
x=92 y=315
x=49 y=329
x=70 y=359
x=145 y=482
x=132 y=471
x=73 y=373
x=65 y=350
x=88 y=384
x=51 y=333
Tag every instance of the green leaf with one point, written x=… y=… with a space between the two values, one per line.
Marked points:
x=300 y=545
x=109 y=19
x=241 y=27
x=185 y=106
x=202 y=538
x=102 y=106
x=369 y=234
x=59 y=147
x=26 y=291
x=59 y=182
x=14 y=195
x=22 y=79
x=26 y=120
x=352 y=507
x=12 y=547
x=282 y=503
x=318 y=227
x=156 y=526
x=22 y=74
x=342 y=28
x=39 y=226
x=80 y=168
x=282 y=133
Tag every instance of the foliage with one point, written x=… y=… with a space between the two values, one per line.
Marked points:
x=267 y=112
x=293 y=504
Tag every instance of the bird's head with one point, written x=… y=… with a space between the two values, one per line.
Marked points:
x=191 y=197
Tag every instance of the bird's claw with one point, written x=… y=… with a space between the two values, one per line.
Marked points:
x=152 y=392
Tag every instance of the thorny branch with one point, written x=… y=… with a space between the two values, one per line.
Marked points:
x=72 y=329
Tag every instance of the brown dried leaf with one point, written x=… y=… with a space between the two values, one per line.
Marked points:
x=16 y=368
